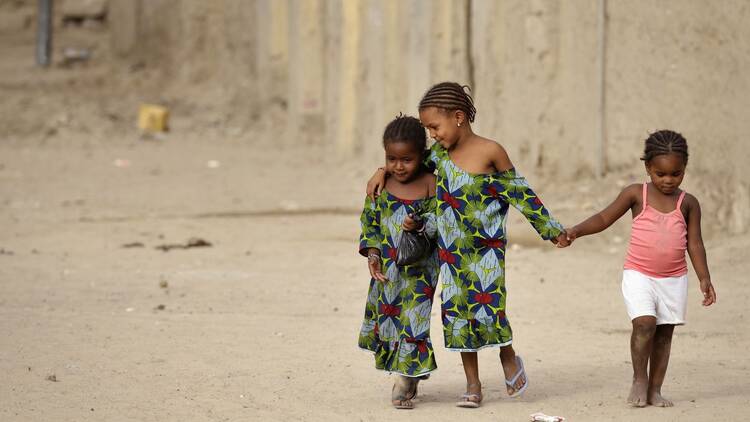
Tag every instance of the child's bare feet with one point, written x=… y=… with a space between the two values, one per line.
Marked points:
x=403 y=393
x=638 y=393
x=656 y=399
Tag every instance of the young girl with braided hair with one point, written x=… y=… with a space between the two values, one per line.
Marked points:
x=396 y=326
x=666 y=222
x=476 y=184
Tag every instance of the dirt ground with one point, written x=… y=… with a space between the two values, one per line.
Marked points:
x=98 y=324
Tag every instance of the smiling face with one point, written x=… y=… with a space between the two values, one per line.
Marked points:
x=402 y=160
x=442 y=125
x=666 y=172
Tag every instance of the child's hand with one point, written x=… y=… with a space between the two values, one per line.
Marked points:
x=709 y=294
x=571 y=234
x=561 y=241
x=373 y=263
x=410 y=225
x=376 y=183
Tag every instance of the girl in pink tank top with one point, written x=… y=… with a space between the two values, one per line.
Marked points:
x=658 y=240
x=666 y=223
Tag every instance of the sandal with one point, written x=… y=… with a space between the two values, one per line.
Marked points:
x=401 y=400
x=470 y=400
x=510 y=383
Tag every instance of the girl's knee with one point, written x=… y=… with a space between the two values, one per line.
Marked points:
x=645 y=325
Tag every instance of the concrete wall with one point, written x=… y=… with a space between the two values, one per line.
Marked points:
x=332 y=73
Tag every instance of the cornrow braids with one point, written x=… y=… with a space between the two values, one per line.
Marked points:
x=406 y=129
x=449 y=96
x=665 y=142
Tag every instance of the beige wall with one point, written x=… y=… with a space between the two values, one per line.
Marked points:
x=333 y=72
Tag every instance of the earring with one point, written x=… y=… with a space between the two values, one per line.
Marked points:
x=459 y=124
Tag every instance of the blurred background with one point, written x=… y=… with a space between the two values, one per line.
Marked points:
x=150 y=128
x=571 y=89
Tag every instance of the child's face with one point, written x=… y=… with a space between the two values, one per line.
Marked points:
x=402 y=160
x=443 y=127
x=666 y=172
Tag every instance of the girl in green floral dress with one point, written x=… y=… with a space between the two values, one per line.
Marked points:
x=396 y=325
x=476 y=184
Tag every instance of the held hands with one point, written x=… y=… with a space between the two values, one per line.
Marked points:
x=563 y=240
x=709 y=294
x=374 y=265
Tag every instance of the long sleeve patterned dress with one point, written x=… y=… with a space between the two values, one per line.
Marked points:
x=471 y=216
x=396 y=324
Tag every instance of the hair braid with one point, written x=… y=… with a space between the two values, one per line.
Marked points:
x=406 y=129
x=665 y=142
x=449 y=96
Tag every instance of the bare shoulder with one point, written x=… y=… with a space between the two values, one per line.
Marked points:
x=633 y=190
x=690 y=199
x=430 y=180
x=632 y=195
x=690 y=203
x=496 y=152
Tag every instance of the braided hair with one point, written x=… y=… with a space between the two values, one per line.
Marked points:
x=405 y=129
x=665 y=142
x=449 y=96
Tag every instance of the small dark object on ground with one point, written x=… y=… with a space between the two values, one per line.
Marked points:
x=193 y=242
x=52 y=377
x=133 y=245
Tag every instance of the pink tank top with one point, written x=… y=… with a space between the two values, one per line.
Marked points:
x=658 y=241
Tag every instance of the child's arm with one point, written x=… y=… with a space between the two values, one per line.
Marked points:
x=697 y=251
x=376 y=183
x=371 y=239
x=516 y=190
x=606 y=217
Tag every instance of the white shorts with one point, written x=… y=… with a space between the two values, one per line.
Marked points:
x=663 y=298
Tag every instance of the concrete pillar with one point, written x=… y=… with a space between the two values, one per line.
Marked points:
x=488 y=55
x=239 y=73
x=347 y=141
x=419 y=13
x=306 y=80
x=273 y=66
x=123 y=19
x=449 y=57
x=372 y=117
x=396 y=60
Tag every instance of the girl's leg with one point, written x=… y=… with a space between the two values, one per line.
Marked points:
x=641 y=346
x=659 y=362
x=510 y=368
x=403 y=392
x=471 y=369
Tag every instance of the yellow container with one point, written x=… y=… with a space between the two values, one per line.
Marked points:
x=153 y=118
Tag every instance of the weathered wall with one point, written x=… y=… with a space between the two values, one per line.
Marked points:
x=333 y=72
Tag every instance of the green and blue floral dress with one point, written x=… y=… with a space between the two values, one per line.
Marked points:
x=471 y=215
x=396 y=324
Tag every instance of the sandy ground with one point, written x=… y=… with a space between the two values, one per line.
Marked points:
x=263 y=324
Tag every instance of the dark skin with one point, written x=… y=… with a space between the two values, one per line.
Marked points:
x=408 y=180
x=476 y=155
x=650 y=344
